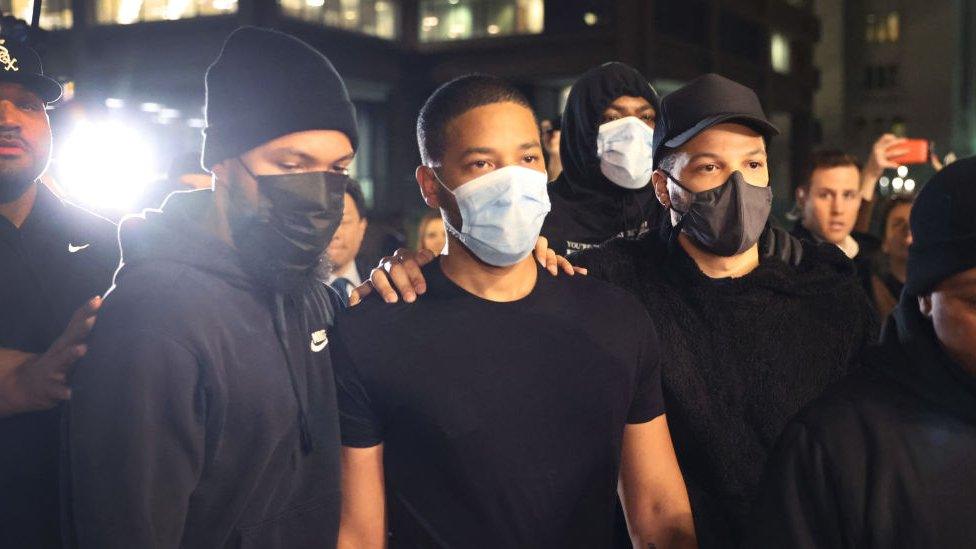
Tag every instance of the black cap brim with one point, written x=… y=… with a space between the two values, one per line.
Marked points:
x=761 y=125
x=47 y=88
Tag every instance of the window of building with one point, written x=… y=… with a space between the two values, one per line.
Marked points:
x=373 y=17
x=55 y=14
x=883 y=28
x=442 y=20
x=779 y=53
x=880 y=77
x=742 y=37
x=683 y=20
x=124 y=12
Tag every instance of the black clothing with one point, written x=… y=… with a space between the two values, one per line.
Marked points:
x=882 y=460
x=266 y=84
x=587 y=208
x=740 y=357
x=25 y=68
x=60 y=257
x=199 y=418
x=866 y=262
x=501 y=422
x=943 y=227
x=892 y=284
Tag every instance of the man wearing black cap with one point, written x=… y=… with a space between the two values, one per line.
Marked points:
x=885 y=459
x=204 y=414
x=748 y=339
x=55 y=259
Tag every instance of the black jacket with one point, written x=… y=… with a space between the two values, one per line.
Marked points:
x=192 y=424
x=588 y=208
x=60 y=257
x=865 y=262
x=885 y=459
x=740 y=357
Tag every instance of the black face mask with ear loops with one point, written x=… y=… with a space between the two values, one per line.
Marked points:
x=728 y=219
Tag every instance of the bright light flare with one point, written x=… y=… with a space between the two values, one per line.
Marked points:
x=106 y=165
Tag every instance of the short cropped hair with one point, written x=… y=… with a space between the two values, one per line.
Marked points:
x=826 y=159
x=454 y=99
x=355 y=191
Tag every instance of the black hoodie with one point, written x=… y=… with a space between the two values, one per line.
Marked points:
x=190 y=425
x=885 y=459
x=588 y=208
x=739 y=357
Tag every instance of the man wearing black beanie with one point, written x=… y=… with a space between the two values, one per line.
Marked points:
x=204 y=413
x=886 y=458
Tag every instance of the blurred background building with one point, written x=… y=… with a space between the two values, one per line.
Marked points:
x=135 y=71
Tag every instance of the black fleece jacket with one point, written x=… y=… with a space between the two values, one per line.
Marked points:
x=740 y=357
x=185 y=428
x=885 y=458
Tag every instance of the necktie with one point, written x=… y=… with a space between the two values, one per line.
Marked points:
x=342 y=286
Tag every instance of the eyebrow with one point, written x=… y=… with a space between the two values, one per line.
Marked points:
x=488 y=150
x=642 y=108
x=309 y=159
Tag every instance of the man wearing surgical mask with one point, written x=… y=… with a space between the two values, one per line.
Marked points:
x=204 y=413
x=748 y=339
x=604 y=189
x=489 y=414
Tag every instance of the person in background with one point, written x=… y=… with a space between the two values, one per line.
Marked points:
x=431 y=235
x=347 y=268
x=882 y=157
x=605 y=148
x=487 y=414
x=204 y=413
x=889 y=277
x=885 y=459
x=829 y=198
x=56 y=259
x=551 y=135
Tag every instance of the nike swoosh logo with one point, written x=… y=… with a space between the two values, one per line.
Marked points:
x=75 y=249
x=319 y=341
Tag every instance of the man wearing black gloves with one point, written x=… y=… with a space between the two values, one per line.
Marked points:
x=885 y=459
x=55 y=259
x=604 y=189
x=204 y=413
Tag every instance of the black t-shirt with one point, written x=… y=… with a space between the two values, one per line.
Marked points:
x=501 y=422
x=59 y=257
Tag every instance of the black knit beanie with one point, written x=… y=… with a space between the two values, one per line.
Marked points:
x=943 y=224
x=266 y=84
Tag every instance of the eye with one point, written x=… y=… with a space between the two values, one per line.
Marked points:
x=341 y=170
x=609 y=118
x=288 y=166
x=707 y=168
x=755 y=164
x=30 y=106
x=480 y=164
x=648 y=117
x=530 y=158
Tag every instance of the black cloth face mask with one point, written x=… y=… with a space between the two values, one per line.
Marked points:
x=728 y=219
x=284 y=241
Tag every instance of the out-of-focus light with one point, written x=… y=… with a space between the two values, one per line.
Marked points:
x=224 y=5
x=68 y=90
x=431 y=21
x=902 y=171
x=453 y=2
x=151 y=107
x=909 y=185
x=315 y=3
x=351 y=15
x=897 y=183
x=493 y=29
x=169 y=113
x=590 y=18
x=114 y=103
x=106 y=164
x=196 y=123
x=884 y=182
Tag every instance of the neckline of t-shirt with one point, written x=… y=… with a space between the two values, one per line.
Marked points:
x=441 y=280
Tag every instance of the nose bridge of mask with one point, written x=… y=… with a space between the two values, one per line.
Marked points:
x=622 y=132
x=495 y=185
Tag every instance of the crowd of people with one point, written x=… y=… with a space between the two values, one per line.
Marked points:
x=600 y=340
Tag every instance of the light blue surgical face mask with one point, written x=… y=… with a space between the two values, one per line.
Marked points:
x=624 y=148
x=501 y=214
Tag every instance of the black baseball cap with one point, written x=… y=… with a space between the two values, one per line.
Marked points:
x=704 y=102
x=21 y=65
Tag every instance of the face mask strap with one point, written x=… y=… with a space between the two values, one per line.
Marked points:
x=675 y=179
x=246 y=169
